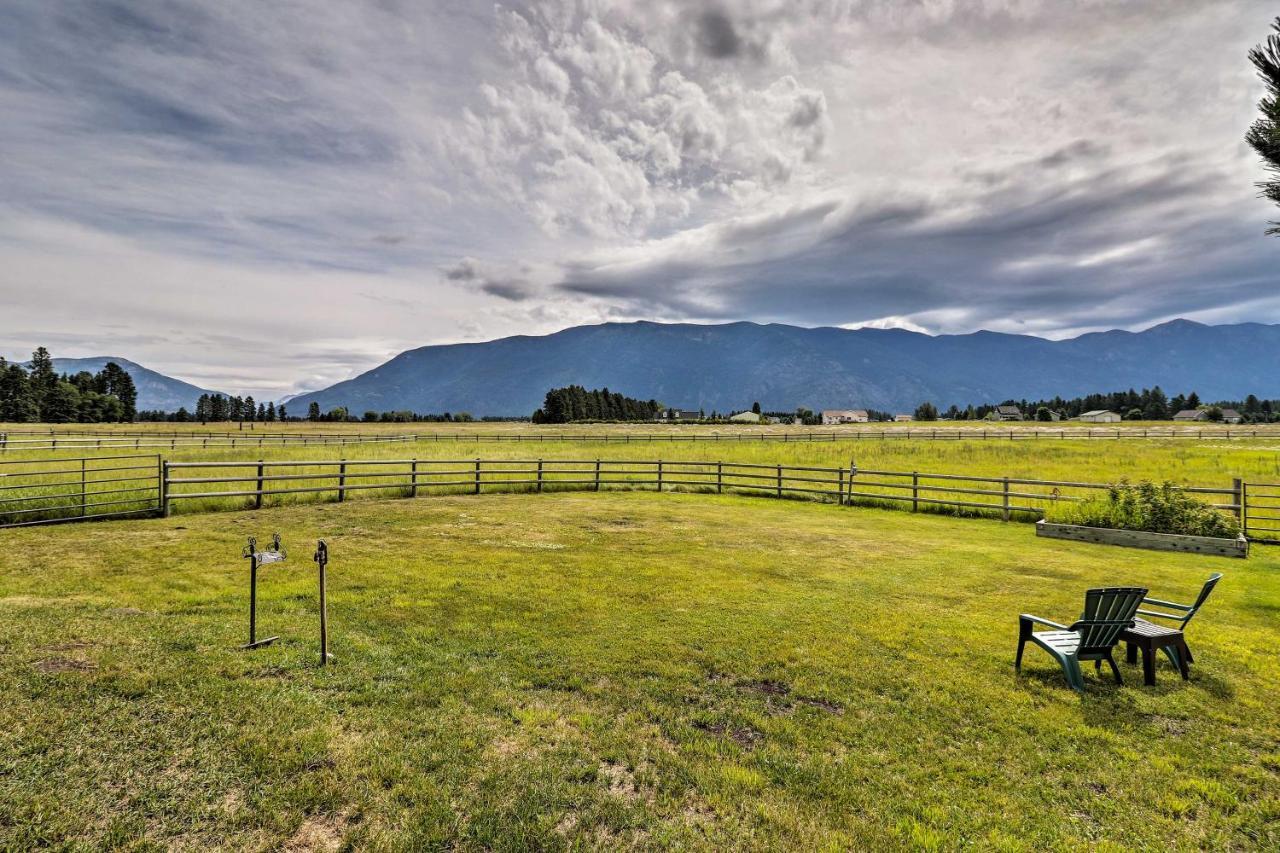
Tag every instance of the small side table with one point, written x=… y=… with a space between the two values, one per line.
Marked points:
x=1152 y=638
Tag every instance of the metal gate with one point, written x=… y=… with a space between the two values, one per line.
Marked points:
x=1260 y=512
x=47 y=491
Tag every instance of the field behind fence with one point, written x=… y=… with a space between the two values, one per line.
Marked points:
x=122 y=438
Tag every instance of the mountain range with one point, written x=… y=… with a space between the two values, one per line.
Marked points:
x=155 y=390
x=728 y=367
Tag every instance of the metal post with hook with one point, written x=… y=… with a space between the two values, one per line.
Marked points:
x=256 y=558
x=321 y=558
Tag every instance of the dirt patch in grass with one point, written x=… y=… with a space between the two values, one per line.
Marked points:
x=322 y=832
x=766 y=687
x=822 y=704
x=744 y=736
x=620 y=780
x=124 y=612
x=63 y=664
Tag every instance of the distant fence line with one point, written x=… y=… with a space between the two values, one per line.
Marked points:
x=176 y=440
x=61 y=489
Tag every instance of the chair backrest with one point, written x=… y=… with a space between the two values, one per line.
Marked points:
x=1107 y=612
x=1202 y=597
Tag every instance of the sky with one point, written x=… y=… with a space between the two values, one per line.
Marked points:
x=271 y=197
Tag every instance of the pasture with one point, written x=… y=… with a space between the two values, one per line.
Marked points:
x=615 y=670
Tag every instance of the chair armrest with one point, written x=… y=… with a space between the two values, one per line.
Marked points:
x=1027 y=617
x=1160 y=603
x=1175 y=617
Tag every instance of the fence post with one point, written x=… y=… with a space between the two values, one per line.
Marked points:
x=719 y=478
x=1006 y=499
x=162 y=488
x=84 y=498
x=539 y=475
x=342 y=481
x=840 y=487
x=915 y=491
x=477 y=477
x=413 y=478
x=1237 y=485
x=597 y=485
x=853 y=470
x=779 y=481
x=659 y=475
x=257 y=498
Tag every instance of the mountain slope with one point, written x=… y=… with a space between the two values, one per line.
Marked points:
x=730 y=366
x=155 y=390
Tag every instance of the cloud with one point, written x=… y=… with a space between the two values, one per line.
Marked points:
x=229 y=190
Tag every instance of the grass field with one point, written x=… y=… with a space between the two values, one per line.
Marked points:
x=616 y=670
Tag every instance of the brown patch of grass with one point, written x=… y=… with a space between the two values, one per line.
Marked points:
x=321 y=832
x=61 y=664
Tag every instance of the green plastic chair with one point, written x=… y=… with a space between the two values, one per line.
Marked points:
x=1182 y=617
x=1107 y=612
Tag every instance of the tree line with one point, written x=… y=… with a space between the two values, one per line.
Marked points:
x=1149 y=404
x=575 y=403
x=38 y=394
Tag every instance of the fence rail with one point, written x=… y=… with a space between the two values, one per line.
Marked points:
x=47 y=491
x=60 y=489
x=249 y=483
x=89 y=440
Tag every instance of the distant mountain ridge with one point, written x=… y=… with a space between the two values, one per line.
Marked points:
x=729 y=366
x=155 y=390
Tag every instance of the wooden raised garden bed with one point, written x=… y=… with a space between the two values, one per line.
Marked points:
x=1211 y=545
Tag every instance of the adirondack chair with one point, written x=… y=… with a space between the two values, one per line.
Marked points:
x=1182 y=617
x=1107 y=612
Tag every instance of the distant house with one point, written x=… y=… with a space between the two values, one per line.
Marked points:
x=1006 y=413
x=1191 y=415
x=1100 y=416
x=745 y=418
x=1231 y=416
x=830 y=417
x=681 y=415
x=902 y=419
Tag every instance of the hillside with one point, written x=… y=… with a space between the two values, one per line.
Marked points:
x=155 y=390
x=729 y=366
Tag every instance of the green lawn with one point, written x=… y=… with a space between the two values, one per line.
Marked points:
x=616 y=670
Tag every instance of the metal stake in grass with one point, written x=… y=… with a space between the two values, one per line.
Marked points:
x=256 y=558
x=321 y=558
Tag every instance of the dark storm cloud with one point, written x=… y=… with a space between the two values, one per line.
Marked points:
x=513 y=288
x=716 y=35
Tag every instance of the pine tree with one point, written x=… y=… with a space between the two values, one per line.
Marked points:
x=43 y=378
x=1264 y=135
x=313 y=412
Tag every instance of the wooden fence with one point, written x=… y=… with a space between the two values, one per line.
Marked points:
x=44 y=491
x=1260 y=513
x=177 y=440
x=219 y=484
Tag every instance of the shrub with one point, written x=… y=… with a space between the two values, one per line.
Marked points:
x=1163 y=508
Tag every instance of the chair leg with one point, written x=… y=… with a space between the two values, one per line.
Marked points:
x=1024 y=633
x=1115 y=670
x=1184 y=657
x=1148 y=667
x=1071 y=667
x=1172 y=653
x=1187 y=650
